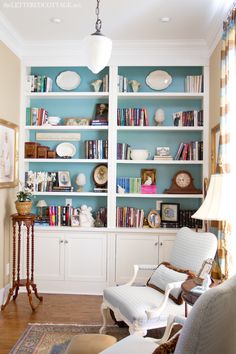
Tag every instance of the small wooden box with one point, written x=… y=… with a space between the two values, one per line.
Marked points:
x=51 y=154
x=31 y=150
x=43 y=152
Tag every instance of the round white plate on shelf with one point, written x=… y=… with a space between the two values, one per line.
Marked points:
x=68 y=80
x=66 y=150
x=158 y=80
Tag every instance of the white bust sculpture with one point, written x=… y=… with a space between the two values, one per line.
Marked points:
x=85 y=216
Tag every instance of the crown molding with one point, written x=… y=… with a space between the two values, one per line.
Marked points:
x=194 y=52
x=10 y=37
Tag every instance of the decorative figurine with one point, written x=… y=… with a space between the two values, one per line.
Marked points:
x=135 y=85
x=159 y=116
x=98 y=222
x=85 y=216
x=80 y=181
x=96 y=85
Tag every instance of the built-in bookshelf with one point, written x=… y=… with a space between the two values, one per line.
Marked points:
x=130 y=124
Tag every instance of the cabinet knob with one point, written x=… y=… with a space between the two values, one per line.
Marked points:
x=161 y=243
x=61 y=241
x=65 y=241
x=156 y=244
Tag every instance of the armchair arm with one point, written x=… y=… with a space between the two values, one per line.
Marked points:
x=170 y=323
x=138 y=267
x=155 y=312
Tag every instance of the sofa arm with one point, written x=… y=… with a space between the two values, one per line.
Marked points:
x=138 y=267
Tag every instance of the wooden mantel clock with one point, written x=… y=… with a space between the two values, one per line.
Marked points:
x=182 y=183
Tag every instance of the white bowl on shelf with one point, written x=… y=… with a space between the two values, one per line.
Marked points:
x=139 y=154
x=54 y=120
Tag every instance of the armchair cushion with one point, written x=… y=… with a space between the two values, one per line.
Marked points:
x=165 y=274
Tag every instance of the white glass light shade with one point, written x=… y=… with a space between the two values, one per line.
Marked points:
x=81 y=179
x=218 y=202
x=41 y=204
x=98 y=49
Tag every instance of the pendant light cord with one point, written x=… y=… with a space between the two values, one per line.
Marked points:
x=98 y=24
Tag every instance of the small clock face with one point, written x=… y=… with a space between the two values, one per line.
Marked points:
x=100 y=175
x=183 y=180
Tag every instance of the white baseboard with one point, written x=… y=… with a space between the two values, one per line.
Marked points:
x=3 y=293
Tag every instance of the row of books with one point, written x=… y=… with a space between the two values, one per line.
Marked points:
x=186 y=220
x=61 y=215
x=123 y=151
x=194 y=83
x=96 y=149
x=129 y=217
x=36 y=116
x=190 y=151
x=122 y=84
x=43 y=181
x=132 y=117
x=128 y=184
x=37 y=83
x=188 y=118
x=105 y=83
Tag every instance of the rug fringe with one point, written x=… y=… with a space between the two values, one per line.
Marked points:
x=68 y=324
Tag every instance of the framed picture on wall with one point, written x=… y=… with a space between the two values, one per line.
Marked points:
x=8 y=154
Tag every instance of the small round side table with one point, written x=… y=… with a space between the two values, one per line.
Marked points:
x=28 y=221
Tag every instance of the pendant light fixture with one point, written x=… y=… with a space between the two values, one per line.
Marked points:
x=98 y=47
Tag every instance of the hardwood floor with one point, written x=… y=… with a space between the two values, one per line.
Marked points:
x=80 y=309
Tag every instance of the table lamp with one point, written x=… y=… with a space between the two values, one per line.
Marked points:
x=217 y=204
x=80 y=181
x=41 y=204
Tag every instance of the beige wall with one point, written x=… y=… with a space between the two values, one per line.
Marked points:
x=9 y=110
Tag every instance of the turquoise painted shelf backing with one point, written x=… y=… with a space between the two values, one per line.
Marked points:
x=178 y=74
x=86 y=76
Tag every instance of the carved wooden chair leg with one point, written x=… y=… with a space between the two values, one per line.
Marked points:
x=104 y=312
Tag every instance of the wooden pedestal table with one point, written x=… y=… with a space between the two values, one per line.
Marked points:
x=28 y=221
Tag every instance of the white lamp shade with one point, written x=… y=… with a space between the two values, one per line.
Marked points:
x=98 y=49
x=81 y=179
x=218 y=202
x=41 y=204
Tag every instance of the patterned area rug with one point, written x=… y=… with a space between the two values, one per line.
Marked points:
x=54 y=338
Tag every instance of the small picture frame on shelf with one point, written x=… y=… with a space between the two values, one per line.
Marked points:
x=154 y=219
x=75 y=220
x=170 y=212
x=148 y=181
x=64 y=179
x=101 y=111
x=74 y=121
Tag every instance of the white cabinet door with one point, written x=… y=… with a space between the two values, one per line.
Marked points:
x=132 y=248
x=48 y=255
x=165 y=247
x=85 y=256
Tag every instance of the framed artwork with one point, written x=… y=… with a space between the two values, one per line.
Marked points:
x=101 y=111
x=76 y=121
x=64 y=179
x=75 y=220
x=170 y=212
x=215 y=141
x=148 y=177
x=9 y=158
x=154 y=219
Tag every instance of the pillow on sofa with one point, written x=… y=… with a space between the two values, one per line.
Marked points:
x=165 y=274
x=168 y=347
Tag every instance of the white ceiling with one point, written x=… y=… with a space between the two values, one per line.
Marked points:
x=29 y=20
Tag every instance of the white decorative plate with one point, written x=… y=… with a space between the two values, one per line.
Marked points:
x=158 y=80
x=68 y=80
x=66 y=150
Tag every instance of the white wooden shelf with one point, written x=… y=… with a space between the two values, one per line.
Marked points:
x=59 y=95
x=166 y=196
x=66 y=127
x=66 y=160
x=160 y=162
x=71 y=194
x=159 y=128
x=155 y=95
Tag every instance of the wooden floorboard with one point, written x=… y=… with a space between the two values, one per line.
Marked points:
x=80 y=309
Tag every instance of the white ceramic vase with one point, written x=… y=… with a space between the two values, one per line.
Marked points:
x=96 y=85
